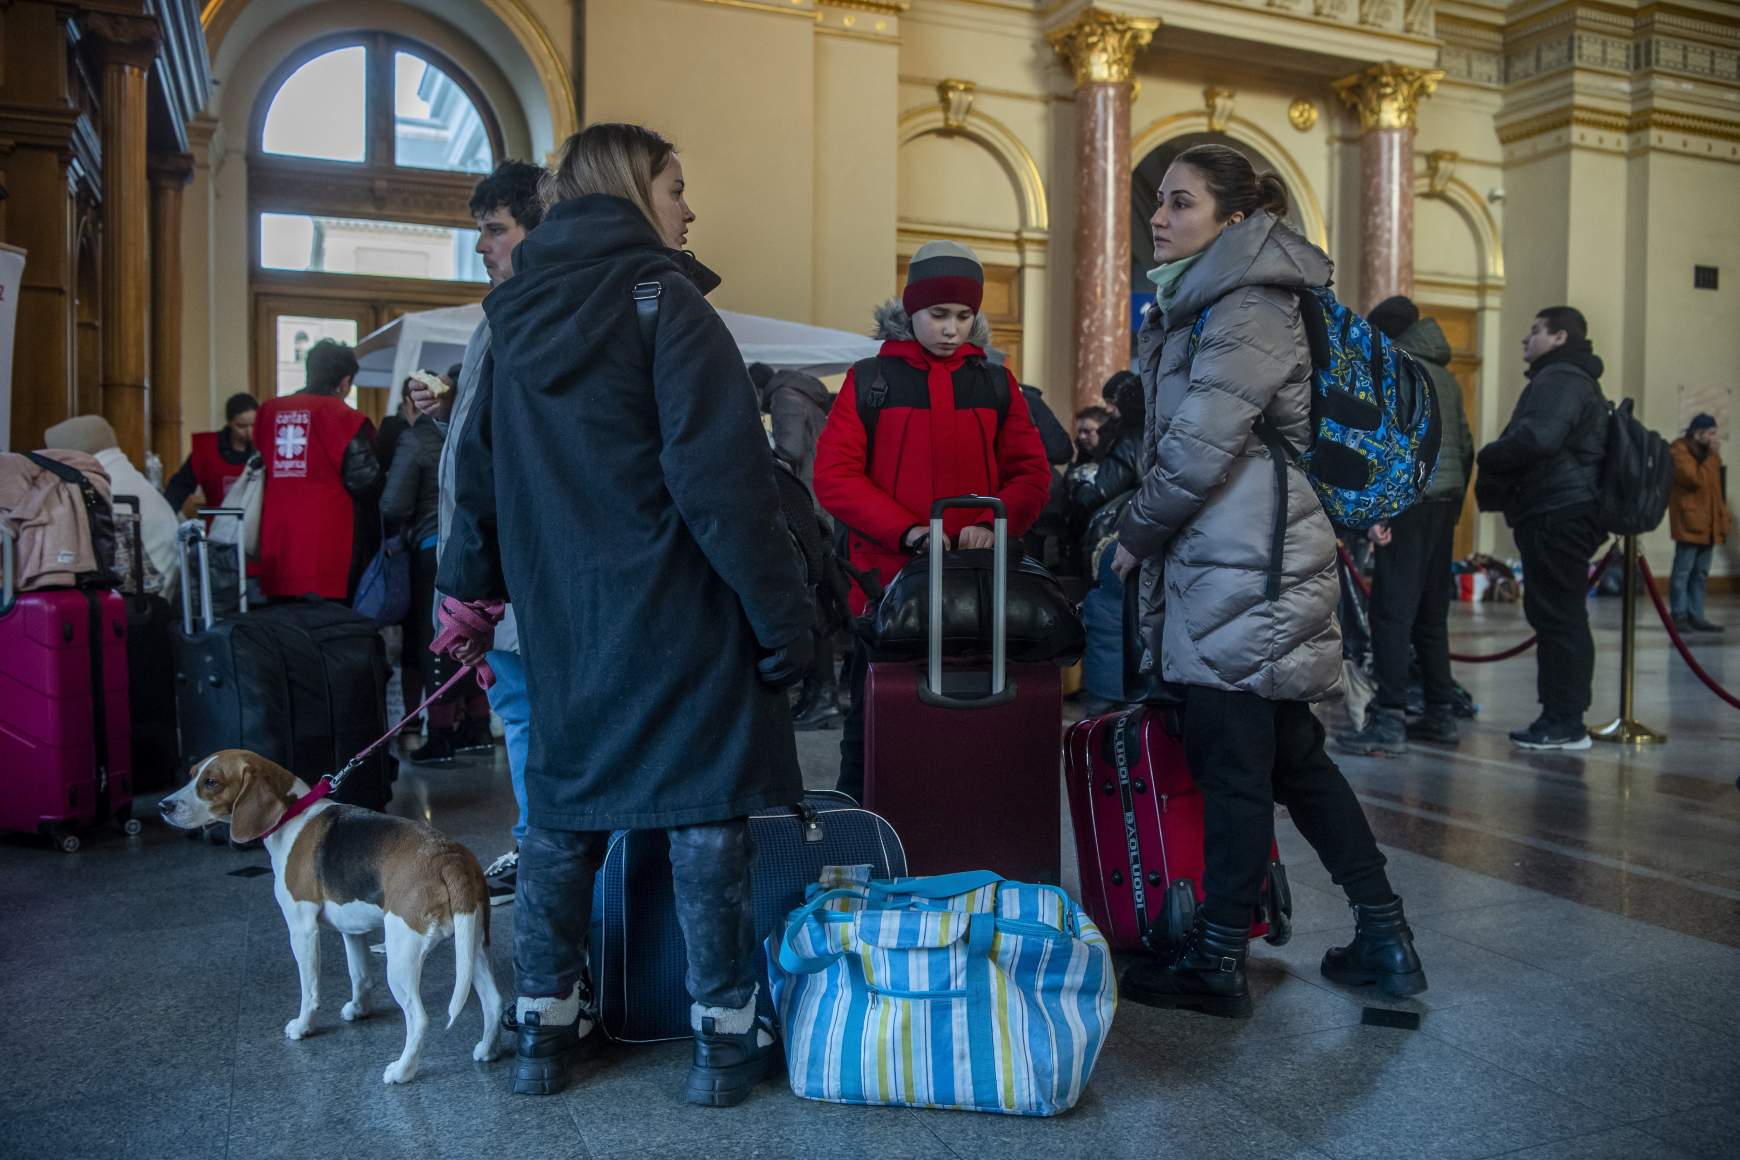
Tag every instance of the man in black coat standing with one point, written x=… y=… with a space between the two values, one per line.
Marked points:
x=1544 y=473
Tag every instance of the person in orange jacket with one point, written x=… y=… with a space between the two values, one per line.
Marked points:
x=937 y=421
x=1698 y=519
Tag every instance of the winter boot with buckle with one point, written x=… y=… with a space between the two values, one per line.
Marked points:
x=1207 y=974
x=1382 y=952
x=734 y=1051
x=552 y=1036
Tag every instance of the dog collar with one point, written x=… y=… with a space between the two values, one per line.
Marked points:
x=301 y=805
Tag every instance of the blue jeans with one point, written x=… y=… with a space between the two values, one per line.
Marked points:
x=507 y=697
x=1691 y=570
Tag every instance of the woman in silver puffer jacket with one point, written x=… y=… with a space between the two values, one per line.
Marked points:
x=1249 y=632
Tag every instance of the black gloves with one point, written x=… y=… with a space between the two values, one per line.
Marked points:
x=787 y=665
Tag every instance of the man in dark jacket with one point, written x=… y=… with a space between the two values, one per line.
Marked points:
x=1410 y=596
x=1544 y=473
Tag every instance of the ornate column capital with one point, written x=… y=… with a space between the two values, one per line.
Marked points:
x=1101 y=46
x=124 y=39
x=1387 y=95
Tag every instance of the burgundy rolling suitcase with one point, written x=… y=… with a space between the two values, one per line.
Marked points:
x=65 y=740
x=963 y=762
x=1139 y=834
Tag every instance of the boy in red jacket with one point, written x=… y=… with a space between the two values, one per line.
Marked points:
x=938 y=421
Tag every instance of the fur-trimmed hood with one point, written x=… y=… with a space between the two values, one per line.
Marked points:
x=894 y=324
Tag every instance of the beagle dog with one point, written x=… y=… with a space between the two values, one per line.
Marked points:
x=360 y=871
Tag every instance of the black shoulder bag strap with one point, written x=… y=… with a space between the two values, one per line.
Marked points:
x=1279 y=452
x=646 y=314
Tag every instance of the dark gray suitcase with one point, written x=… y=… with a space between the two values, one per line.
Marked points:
x=302 y=683
x=635 y=949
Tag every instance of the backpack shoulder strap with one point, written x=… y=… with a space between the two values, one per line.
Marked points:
x=872 y=392
x=1001 y=377
x=646 y=313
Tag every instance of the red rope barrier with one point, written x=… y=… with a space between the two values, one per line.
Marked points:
x=1667 y=622
x=1515 y=650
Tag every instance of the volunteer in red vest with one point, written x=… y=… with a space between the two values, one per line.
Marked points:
x=322 y=480
x=218 y=457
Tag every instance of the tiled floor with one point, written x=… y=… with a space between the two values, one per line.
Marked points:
x=1579 y=917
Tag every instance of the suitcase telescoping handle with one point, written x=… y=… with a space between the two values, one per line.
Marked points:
x=193 y=532
x=8 y=568
x=965 y=690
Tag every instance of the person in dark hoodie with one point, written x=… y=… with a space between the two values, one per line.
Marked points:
x=798 y=404
x=949 y=424
x=1410 y=596
x=619 y=484
x=1544 y=473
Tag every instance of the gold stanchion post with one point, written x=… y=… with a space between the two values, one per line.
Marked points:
x=1624 y=729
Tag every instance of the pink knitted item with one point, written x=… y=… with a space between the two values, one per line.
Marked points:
x=472 y=620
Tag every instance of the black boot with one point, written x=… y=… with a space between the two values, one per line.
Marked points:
x=437 y=751
x=1385 y=735
x=1382 y=952
x=1437 y=725
x=727 y=1067
x=544 y=1057
x=1207 y=974
x=473 y=736
x=819 y=709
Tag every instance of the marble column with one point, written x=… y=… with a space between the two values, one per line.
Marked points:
x=128 y=47
x=1101 y=49
x=170 y=174
x=1387 y=97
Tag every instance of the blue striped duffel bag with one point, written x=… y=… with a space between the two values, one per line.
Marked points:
x=956 y=991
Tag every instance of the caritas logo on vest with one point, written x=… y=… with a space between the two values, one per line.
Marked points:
x=291 y=441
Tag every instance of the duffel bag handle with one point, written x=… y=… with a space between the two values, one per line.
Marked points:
x=795 y=961
x=935 y=886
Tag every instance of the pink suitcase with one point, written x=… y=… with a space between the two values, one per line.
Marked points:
x=65 y=740
x=964 y=767
x=1139 y=833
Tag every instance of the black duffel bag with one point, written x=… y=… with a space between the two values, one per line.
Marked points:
x=1043 y=625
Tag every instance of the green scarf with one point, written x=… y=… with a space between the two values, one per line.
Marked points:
x=1166 y=277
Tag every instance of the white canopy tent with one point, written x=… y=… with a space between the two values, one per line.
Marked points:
x=435 y=339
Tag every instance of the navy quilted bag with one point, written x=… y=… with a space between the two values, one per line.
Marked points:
x=635 y=949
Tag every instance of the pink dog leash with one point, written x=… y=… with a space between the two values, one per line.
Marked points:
x=331 y=781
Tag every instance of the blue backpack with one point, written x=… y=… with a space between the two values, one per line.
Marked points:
x=1375 y=430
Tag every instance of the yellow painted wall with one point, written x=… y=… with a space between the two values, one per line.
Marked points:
x=857 y=172
x=735 y=89
x=1685 y=343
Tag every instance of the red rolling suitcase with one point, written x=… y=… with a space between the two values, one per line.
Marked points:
x=65 y=740
x=963 y=762
x=1139 y=835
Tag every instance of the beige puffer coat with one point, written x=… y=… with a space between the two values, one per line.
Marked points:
x=1203 y=520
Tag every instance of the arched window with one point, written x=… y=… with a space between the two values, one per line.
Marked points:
x=363 y=154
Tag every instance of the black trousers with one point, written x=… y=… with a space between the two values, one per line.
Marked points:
x=1247 y=754
x=1410 y=603
x=1555 y=551
x=710 y=873
x=852 y=728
